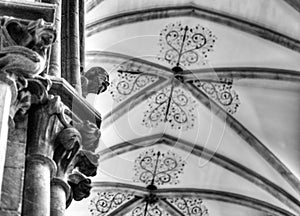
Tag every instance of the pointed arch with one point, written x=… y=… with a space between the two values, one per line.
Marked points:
x=192 y=11
x=200 y=151
x=205 y=194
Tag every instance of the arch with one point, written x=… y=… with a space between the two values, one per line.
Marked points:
x=132 y=102
x=246 y=135
x=205 y=153
x=241 y=73
x=205 y=194
x=116 y=58
x=294 y=4
x=192 y=11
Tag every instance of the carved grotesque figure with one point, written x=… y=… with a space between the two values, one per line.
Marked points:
x=90 y=136
x=87 y=162
x=95 y=80
x=23 y=48
x=67 y=146
x=80 y=185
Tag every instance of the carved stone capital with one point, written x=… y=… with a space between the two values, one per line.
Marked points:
x=95 y=80
x=23 y=46
x=25 y=92
x=23 y=55
x=44 y=125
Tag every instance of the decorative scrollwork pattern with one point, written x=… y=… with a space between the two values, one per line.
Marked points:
x=152 y=210
x=158 y=168
x=130 y=79
x=105 y=202
x=126 y=84
x=182 y=45
x=221 y=92
x=171 y=105
x=189 y=206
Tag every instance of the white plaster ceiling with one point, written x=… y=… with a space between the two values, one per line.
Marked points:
x=266 y=123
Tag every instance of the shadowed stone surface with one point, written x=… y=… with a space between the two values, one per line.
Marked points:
x=11 y=194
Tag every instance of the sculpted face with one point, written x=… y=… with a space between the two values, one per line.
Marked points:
x=44 y=35
x=98 y=80
x=86 y=167
x=82 y=190
x=46 y=38
x=25 y=46
x=90 y=136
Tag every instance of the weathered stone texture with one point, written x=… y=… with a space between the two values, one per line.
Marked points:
x=12 y=188
x=15 y=155
x=9 y=213
x=11 y=198
x=17 y=135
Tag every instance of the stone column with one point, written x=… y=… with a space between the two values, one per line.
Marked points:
x=82 y=34
x=60 y=191
x=55 y=58
x=36 y=199
x=70 y=42
x=5 y=103
x=40 y=167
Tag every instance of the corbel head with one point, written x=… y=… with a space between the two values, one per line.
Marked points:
x=68 y=143
x=90 y=134
x=95 y=80
x=80 y=185
x=87 y=162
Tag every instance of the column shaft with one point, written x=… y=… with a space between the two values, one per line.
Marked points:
x=36 y=199
x=59 y=192
x=70 y=40
x=82 y=35
x=55 y=58
x=43 y=126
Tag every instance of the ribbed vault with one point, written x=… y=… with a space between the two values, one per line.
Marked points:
x=192 y=89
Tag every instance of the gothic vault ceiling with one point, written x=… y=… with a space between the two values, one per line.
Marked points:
x=202 y=113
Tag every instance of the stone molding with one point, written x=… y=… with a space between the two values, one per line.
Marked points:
x=43 y=160
x=65 y=186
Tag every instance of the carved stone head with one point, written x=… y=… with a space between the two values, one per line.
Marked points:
x=87 y=162
x=68 y=137
x=23 y=46
x=67 y=146
x=90 y=134
x=36 y=34
x=95 y=80
x=43 y=35
x=81 y=186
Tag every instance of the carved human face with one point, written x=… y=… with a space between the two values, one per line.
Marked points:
x=90 y=136
x=85 y=166
x=82 y=190
x=98 y=85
